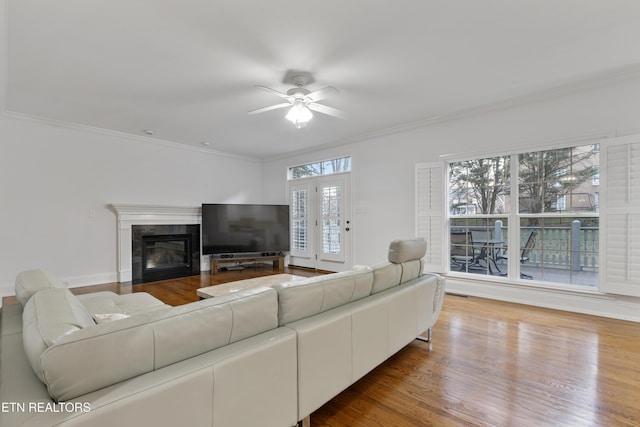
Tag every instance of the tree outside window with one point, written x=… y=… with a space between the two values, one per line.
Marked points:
x=326 y=167
x=557 y=203
x=557 y=180
x=479 y=186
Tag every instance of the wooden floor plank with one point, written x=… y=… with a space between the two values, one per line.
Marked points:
x=494 y=363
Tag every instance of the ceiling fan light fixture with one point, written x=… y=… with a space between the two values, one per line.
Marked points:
x=300 y=101
x=299 y=115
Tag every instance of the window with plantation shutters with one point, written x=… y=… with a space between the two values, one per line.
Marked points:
x=299 y=220
x=430 y=213
x=621 y=210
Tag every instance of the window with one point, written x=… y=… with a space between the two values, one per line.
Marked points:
x=545 y=176
x=320 y=214
x=548 y=199
x=596 y=176
x=479 y=186
x=331 y=221
x=326 y=167
x=299 y=220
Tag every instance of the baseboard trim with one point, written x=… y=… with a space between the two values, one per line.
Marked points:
x=591 y=303
x=88 y=280
x=8 y=290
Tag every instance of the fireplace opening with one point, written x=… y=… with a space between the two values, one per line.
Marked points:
x=163 y=252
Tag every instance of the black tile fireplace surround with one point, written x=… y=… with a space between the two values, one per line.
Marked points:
x=161 y=252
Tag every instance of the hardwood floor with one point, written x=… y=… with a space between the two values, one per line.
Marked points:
x=183 y=290
x=490 y=363
x=494 y=363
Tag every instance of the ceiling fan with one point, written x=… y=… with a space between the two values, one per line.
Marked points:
x=302 y=101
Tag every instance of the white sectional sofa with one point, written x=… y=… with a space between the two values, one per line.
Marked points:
x=268 y=356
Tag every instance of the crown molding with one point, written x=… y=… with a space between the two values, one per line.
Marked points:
x=556 y=90
x=112 y=133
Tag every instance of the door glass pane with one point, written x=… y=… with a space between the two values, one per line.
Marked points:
x=331 y=221
x=299 y=221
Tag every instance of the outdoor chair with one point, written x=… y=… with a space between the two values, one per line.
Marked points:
x=462 y=253
x=525 y=254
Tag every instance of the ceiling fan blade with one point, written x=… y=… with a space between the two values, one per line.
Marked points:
x=330 y=111
x=272 y=107
x=275 y=92
x=322 y=94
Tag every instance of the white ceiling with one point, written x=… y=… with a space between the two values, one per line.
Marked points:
x=187 y=68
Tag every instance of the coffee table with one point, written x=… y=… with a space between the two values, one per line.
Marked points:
x=227 y=288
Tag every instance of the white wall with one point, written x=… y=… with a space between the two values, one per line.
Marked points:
x=383 y=167
x=56 y=183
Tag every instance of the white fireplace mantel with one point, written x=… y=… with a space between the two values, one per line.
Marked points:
x=130 y=214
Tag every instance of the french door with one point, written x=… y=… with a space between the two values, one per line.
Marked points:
x=320 y=222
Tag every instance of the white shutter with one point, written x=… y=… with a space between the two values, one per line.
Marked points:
x=301 y=202
x=620 y=199
x=430 y=213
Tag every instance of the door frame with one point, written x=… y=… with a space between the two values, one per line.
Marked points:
x=313 y=259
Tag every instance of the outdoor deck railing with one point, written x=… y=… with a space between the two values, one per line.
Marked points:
x=570 y=248
x=564 y=247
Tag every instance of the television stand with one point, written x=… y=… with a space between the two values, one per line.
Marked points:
x=278 y=261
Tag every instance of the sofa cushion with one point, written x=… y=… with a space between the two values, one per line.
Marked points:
x=31 y=281
x=300 y=299
x=407 y=250
x=386 y=275
x=411 y=270
x=48 y=316
x=195 y=328
x=109 y=302
x=92 y=358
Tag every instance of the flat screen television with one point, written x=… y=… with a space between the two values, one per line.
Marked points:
x=245 y=229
